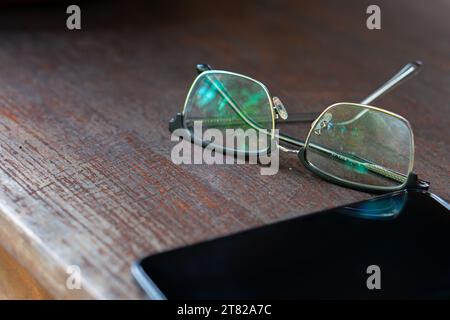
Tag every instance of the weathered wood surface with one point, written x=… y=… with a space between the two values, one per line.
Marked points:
x=85 y=172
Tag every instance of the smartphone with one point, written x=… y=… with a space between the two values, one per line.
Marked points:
x=393 y=246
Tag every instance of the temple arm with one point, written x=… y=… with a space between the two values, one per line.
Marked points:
x=405 y=73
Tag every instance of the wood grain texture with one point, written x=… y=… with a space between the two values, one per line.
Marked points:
x=85 y=172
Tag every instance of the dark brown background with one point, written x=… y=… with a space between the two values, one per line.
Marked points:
x=85 y=172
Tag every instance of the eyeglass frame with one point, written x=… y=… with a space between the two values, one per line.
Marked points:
x=412 y=180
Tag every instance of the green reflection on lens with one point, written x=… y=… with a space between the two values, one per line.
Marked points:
x=224 y=100
x=356 y=166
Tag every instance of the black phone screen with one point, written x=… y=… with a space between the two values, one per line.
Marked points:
x=323 y=255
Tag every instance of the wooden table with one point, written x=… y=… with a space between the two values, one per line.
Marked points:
x=85 y=171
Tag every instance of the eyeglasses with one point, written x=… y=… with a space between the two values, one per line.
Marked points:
x=350 y=144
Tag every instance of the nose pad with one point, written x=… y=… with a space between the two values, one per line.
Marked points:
x=279 y=108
